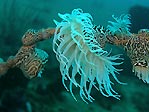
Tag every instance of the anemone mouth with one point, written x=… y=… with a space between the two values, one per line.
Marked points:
x=79 y=54
x=142 y=73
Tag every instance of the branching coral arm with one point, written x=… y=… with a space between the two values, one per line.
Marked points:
x=28 y=58
x=31 y=37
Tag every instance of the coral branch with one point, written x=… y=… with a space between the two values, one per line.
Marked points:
x=29 y=59
x=31 y=37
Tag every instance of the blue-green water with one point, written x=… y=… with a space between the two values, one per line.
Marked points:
x=47 y=94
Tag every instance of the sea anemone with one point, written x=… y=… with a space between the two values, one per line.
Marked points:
x=82 y=60
x=142 y=73
x=121 y=26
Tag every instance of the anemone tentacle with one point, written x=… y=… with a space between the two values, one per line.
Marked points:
x=76 y=47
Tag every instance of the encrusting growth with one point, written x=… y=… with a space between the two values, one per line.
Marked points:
x=29 y=59
x=137 y=48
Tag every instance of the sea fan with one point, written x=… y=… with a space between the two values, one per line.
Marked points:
x=76 y=47
x=121 y=26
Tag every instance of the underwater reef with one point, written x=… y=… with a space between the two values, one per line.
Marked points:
x=93 y=67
